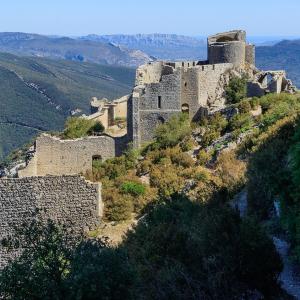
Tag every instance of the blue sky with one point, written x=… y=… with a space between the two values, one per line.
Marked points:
x=189 y=17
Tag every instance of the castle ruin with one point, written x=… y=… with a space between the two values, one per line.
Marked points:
x=51 y=178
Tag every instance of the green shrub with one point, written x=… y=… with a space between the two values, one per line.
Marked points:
x=187 y=144
x=77 y=127
x=173 y=131
x=236 y=89
x=254 y=102
x=217 y=122
x=209 y=137
x=133 y=188
x=242 y=122
x=203 y=157
x=96 y=129
x=244 y=106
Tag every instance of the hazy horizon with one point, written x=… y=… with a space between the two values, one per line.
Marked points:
x=191 y=17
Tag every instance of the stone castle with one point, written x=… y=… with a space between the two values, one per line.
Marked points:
x=51 y=181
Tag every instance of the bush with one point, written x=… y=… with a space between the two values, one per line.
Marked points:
x=236 y=89
x=173 y=131
x=209 y=136
x=203 y=157
x=117 y=207
x=231 y=171
x=217 y=122
x=167 y=180
x=96 y=129
x=77 y=127
x=133 y=188
x=187 y=144
x=241 y=122
x=244 y=106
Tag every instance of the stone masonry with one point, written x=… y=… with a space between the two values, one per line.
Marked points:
x=54 y=156
x=163 y=89
x=69 y=200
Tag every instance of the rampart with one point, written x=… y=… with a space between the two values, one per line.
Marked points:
x=68 y=200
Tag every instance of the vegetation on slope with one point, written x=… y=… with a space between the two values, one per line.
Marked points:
x=189 y=242
x=39 y=94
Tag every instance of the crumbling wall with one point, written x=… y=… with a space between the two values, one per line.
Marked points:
x=212 y=82
x=190 y=90
x=54 y=156
x=120 y=108
x=149 y=73
x=153 y=104
x=265 y=82
x=69 y=200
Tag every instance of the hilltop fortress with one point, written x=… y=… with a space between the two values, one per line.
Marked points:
x=51 y=182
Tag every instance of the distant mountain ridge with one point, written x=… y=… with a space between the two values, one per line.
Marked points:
x=162 y=46
x=284 y=55
x=71 y=49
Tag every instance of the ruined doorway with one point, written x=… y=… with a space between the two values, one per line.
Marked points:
x=96 y=161
x=185 y=108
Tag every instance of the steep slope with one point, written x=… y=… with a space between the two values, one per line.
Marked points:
x=38 y=94
x=284 y=55
x=70 y=49
x=161 y=46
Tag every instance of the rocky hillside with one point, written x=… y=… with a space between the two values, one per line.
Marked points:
x=70 y=49
x=38 y=94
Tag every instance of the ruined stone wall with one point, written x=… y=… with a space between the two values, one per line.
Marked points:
x=190 y=90
x=120 y=110
x=54 y=156
x=196 y=87
x=100 y=116
x=212 y=80
x=154 y=104
x=69 y=200
x=250 y=55
x=149 y=73
x=67 y=157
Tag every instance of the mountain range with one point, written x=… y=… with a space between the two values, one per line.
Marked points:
x=70 y=49
x=162 y=46
x=38 y=94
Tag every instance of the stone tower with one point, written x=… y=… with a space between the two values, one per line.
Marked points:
x=230 y=47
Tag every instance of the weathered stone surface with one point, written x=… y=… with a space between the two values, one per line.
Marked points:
x=54 y=156
x=69 y=200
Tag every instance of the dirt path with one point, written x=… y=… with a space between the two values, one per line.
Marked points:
x=290 y=276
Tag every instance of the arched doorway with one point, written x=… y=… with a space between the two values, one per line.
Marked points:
x=161 y=120
x=185 y=108
x=96 y=160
